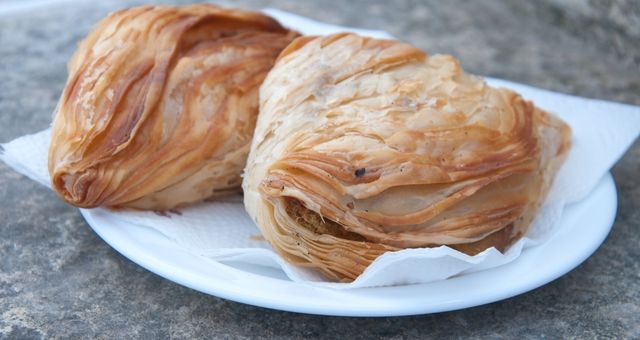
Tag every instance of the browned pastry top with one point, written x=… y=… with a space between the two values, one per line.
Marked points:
x=160 y=105
x=391 y=148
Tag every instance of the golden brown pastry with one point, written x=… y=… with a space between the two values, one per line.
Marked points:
x=160 y=106
x=365 y=146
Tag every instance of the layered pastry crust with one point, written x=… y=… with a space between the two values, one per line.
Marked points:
x=160 y=106
x=365 y=146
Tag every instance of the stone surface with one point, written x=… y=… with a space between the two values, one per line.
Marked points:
x=58 y=279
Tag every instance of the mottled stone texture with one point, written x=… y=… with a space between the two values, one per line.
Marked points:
x=58 y=279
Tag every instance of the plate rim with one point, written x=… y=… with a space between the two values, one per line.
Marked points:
x=213 y=287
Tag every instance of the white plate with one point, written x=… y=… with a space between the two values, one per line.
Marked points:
x=584 y=227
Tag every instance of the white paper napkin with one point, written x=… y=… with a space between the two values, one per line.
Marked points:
x=221 y=229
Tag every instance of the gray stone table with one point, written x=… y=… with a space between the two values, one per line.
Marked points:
x=58 y=279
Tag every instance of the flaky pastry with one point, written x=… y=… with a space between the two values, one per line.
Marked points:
x=365 y=146
x=160 y=106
